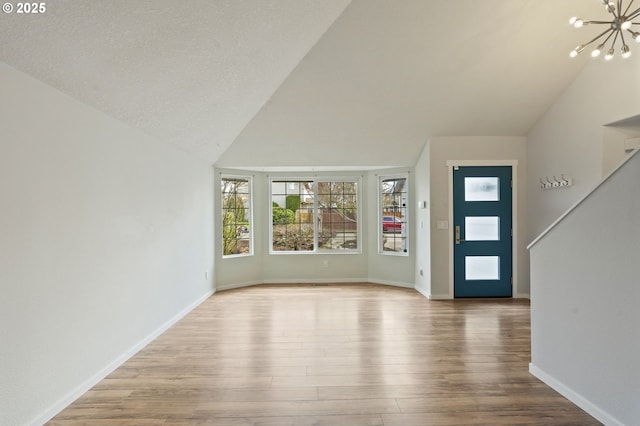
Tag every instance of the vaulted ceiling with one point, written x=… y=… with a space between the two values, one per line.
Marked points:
x=317 y=83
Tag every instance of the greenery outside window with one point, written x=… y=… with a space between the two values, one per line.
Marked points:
x=314 y=215
x=236 y=216
x=393 y=224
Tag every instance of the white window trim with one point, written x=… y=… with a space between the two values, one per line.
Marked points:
x=251 y=222
x=381 y=250
x=315 y=180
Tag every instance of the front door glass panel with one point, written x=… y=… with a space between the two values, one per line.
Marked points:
x=481 y=189
x=482 y=228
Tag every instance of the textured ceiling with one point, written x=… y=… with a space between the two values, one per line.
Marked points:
x=390 y=74
x=316 y=83
x=191 y=73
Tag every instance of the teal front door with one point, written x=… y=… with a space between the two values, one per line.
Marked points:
x=482 y=205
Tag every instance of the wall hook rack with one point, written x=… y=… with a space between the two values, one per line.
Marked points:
x=554 y=182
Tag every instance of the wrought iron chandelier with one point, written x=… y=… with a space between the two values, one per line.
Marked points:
x=621 y=22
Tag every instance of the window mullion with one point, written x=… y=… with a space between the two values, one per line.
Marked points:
x=315 y=216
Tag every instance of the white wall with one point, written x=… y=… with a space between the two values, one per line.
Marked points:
x=614 y=144
x=568 y=138
x=263 y=267
x=585 y=322
x=105 y=239
x=477 y=148
x=586 y=308
x=422 y=223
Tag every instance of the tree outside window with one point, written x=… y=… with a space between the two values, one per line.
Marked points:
x=236 y=216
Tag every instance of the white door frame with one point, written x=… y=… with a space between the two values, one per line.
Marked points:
x=514 y=212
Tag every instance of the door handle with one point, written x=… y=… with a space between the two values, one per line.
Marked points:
x=458 y=240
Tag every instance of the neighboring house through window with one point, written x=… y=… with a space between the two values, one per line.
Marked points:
x=393 y=208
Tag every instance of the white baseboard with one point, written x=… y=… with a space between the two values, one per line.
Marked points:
x=64 y=402
x=439 y=297
x=391 y=283
x=317 y=281
x=231 y=286
x=313 y=281
x=422 y=292
x=432 y=296
x=573 y=396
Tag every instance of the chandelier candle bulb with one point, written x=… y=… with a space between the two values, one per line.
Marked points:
x=576 y=51
x=609 y=55
x=625 y=51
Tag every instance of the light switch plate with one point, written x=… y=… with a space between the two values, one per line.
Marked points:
x=442 y=224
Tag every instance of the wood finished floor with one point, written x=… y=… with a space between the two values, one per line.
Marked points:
x=332 y=355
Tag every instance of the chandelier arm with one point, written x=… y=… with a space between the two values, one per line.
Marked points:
x=634 y=14
x=613 y=44
x=611 y=11
x=619 y=7
x=599 y=37
x=628 y=7
x=622 y=38
x=597 y=22
x=608 y=37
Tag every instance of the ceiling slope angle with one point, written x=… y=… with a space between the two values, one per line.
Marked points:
x=190 y=73
x=389 y=75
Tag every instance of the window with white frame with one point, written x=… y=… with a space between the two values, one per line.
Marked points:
x=236 y=216
x=394 y=224
x=314 y=215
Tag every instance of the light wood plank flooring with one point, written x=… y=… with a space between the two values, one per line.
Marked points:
x=333 y=355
